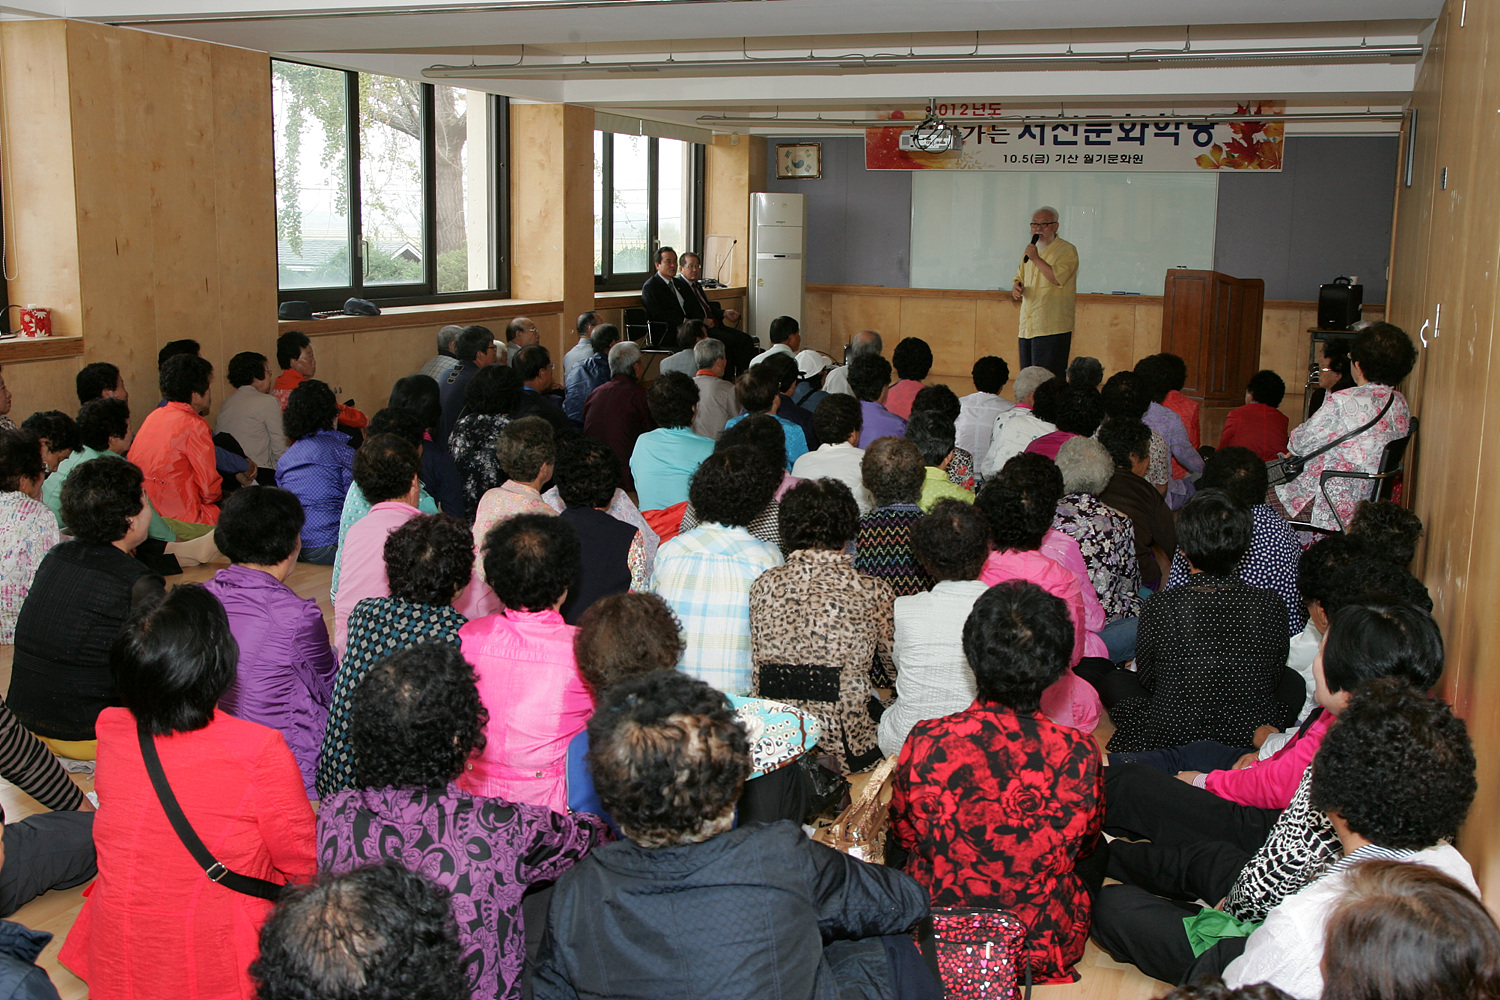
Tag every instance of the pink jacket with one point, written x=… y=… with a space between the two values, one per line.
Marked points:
x=1270 y=783
x=1070 y=701
x=1064 y=551
x=537 y=702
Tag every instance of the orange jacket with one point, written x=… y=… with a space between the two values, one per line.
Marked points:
x=175 y=451
x=291 y=378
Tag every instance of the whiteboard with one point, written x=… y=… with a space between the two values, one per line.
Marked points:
x=969 y=227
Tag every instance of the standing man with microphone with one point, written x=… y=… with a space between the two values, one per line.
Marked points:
x=1045 y=285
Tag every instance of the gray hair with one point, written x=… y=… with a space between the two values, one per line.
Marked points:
x=865 y=342
x=707 y=352
x=1050 y=211
x=1085 y=465
x=448 y=336
x=623 y=357
x=1026 y=382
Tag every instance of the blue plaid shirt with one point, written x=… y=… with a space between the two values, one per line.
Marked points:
x=705 y=576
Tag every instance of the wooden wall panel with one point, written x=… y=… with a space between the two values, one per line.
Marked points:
x=735 y=168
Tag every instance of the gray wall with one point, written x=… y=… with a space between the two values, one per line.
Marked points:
x=1328 y=213
x=858 y=220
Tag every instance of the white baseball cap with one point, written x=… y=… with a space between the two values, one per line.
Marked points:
x=810 y=363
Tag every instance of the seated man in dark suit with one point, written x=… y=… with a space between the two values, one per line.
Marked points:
x=535 y=369
x=739 y=347
x=664 y=296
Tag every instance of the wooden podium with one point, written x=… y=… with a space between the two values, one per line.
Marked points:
x=1212 y=321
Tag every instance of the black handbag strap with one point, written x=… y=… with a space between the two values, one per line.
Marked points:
x=215 y=870
x=1352 y=434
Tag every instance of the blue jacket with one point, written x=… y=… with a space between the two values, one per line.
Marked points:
x=20 y=979
x=587 y=376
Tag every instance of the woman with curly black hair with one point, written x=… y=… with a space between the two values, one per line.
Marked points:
x=488 y=399
x=818 y=625
x=767 y=436
x=528 y=676
x=943 y=400
x=80 y=597
x=428 y=559
x=317 y=467
x=689 y=907
x=912 y=360
x=416 y=721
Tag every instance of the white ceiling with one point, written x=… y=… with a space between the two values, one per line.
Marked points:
x=403 y=38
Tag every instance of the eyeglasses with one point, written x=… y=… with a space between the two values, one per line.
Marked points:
x=1042 y=225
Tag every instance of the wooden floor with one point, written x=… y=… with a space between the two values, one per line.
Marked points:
x=54 y=912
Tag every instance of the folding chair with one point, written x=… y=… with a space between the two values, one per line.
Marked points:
x=1385 y=476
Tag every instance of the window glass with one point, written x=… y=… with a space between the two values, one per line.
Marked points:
x=464 y=144
x=599 y=202
x=390 y=179
x=310 y=111
x=631 y=232
x=672 y=208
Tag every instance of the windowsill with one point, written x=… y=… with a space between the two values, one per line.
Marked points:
x=619 y=299
x=438 y=313
x=39 y=348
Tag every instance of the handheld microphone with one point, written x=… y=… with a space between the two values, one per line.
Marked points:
x=1034 y=238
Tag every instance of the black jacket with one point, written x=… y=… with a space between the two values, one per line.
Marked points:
x=662 y=306
x=745 y=914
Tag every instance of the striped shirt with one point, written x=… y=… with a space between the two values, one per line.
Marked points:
x=705 y=576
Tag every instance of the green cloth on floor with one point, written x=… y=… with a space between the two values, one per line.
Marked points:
x=186 y=531
x=1208 y=927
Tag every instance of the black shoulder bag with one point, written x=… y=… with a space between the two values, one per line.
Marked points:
x=215 y=870
x=1280 y=471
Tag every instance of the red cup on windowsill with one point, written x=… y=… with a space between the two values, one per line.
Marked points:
x=36 y=321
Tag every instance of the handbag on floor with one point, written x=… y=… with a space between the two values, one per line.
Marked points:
x=1280 y=471
x=216 y=870
x=860 y=829
x=977 y=953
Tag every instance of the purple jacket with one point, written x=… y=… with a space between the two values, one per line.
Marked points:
x=485 y=851
x=286 y=668
x=878 y=423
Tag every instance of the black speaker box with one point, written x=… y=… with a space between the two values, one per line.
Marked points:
x=1339 y=304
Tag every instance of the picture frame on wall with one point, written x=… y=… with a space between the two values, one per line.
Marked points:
x=802 y=161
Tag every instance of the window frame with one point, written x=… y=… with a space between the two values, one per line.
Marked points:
x=332 y=297
x=608 y=280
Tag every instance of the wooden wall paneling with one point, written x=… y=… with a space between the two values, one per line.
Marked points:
x=41 y=385
x=735 y=168
x=115 y=215
x=1148 y=326
x=817 y=325
x=947 y=325
x=1106 y=331
x=996 y=321
x=39 y=197
x=853 y=313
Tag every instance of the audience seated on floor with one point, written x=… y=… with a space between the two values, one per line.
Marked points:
x=374 y=933
x=475 y=349
x=294 y=353
x=783 y=368
x=980 y=408
x=766 y=435
x=528 y=677
x=1395 y=779
x=757 y=393
x=153 y=924
x=80 y=597
x=174 y=449
x=1404 y=929
x=941 y=400
x=664 y=460
x=527 y=452
x=1258 y=425
x=1019 y=503
x=445 y=360
x=416 y=722
x=617 y=413
x=1084 y=372
x=489 y=400
x=286 y=667
x=534 y=368
x=612 y=553
x=999 y=807
x=1076 y=411
x=419 y=395
x=1211 y=654
x=1243 y=858
x=864 y=342
x=100 y=380
x=1174 y=370
x=584 y=326
x=612 y=932
x=1129 y=443
x=932 y=434
x=1390 y=530
x=705 y=574
x=252 y=416
x=1124 y=398
x=1105 y=540
x=317 y=467
x=839 y=456
x=57 y=434
x=1271 y=561
x=786 y=338
x=716 y=400
x=431 y=561
x=933 y=676
x=628 y=635
x=818 y=626
x=812 y=368
x=869 y=381
x=685 y=338
x=893 y=472
x=912 y=360
x=27 y=527
x=589 y=373
x=1158 y=375
x=1018 y=426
